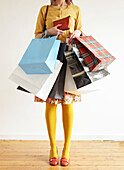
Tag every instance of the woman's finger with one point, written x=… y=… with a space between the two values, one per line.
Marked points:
x=60 y=31
x=72 y=37
x=58 y=25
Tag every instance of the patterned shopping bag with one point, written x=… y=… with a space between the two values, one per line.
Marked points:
x=71 y=87
x=95 y=56
x=93 y=75
x=79 y=75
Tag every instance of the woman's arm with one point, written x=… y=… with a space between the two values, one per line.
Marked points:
x=78 y=27
x=39 y=35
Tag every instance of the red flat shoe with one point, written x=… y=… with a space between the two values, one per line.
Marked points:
x=64 y=161
x=54 y=161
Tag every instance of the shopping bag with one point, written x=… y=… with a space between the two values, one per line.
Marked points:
x=40 y=56
x=70 y=84
x=57 y=91
x=78 y=73
x=95 y=56
x=95 y=85
x=40 y=84
x=93 y=75
x=58 y=87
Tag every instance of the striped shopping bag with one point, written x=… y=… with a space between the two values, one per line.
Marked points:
x=94 y=55
x=78 y=73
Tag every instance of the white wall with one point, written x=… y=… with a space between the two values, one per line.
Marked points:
x=100 y=115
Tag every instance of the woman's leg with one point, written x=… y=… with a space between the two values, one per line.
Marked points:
x=67 y=117
x=50 y=115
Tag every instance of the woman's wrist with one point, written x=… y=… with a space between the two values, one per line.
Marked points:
x=48 y=33
x=44 y=34
x=41 y=35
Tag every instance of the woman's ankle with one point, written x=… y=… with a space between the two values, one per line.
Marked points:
x=53 y=152
x=66 y=153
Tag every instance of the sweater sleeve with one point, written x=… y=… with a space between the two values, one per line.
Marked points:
x=78 y=21
x=40 y=21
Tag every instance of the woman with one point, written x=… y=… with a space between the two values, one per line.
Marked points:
x=57 y=10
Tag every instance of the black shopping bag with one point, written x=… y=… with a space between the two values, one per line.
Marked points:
x=77 y=70
x=57 y=92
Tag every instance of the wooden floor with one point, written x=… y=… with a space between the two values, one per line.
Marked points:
x=84 y=155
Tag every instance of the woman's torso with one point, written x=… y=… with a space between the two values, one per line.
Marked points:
x=55 y=13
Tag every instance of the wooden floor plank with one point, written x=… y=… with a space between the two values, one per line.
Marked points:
x=110 y=167
x=44 y=162
x=73 y=157
x=84 y=155
x=58 y=167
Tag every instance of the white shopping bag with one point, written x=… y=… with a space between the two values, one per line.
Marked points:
x=38 y=84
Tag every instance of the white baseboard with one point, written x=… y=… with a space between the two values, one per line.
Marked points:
x=118 y=137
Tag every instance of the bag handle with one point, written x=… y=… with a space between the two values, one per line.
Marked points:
x=45 y=24
x=45 y=34
x=83 y=35
x=45 y=19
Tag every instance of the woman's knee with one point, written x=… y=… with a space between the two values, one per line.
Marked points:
x=50 y=105
x=67 y=106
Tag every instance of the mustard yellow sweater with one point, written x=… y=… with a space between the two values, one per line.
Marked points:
x=54 y=14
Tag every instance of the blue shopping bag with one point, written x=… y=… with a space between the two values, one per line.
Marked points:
x=40 y=56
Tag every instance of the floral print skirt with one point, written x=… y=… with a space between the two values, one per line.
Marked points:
x=67 y=99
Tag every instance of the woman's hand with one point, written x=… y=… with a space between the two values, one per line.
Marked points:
x=52 y=31
x=76 y=33
x=55 y=31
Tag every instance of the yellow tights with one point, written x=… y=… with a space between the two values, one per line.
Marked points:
x=67 y=118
